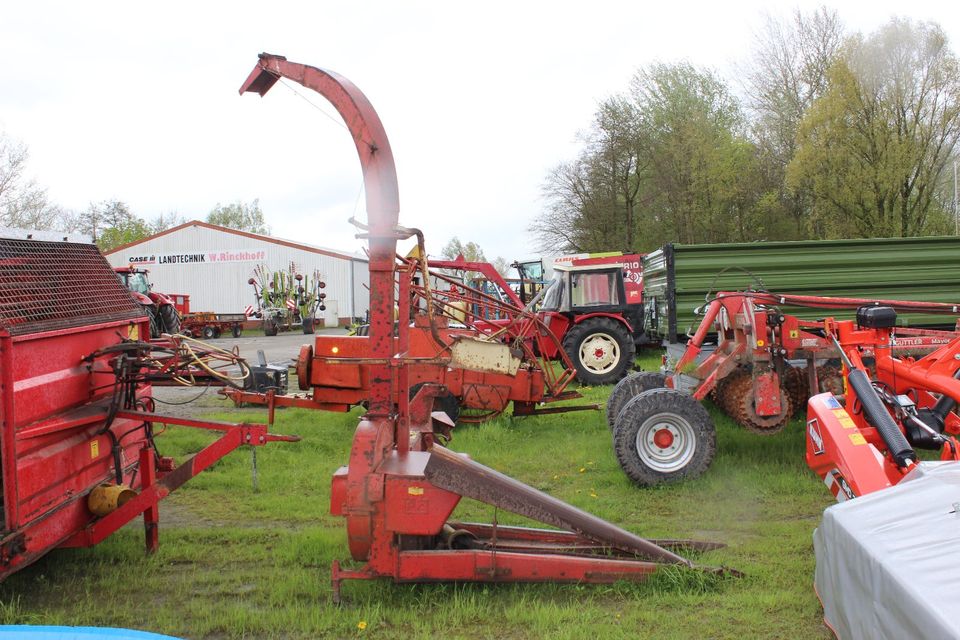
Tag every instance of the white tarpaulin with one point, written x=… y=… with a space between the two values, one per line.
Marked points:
x=888 y=563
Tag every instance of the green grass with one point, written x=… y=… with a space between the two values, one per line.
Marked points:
x=238 y=564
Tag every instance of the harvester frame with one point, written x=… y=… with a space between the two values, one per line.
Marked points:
x=401 y=485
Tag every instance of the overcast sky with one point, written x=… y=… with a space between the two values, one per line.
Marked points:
x=138 y=101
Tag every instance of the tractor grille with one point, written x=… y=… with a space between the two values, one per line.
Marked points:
x=58 y=285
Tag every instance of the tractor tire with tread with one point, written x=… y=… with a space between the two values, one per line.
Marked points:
x=151 y=312
x=633 y=385
x=169 y=319
x=308 y=326
x=601 y=350
x=664 y=435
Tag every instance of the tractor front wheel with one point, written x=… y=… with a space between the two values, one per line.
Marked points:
x=170 y=319
x=663 y=435
x=601 y=350
x=633 y=385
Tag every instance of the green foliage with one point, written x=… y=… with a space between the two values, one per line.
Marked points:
x=844 y=137
x=111 y=223
x=873 y=149
x=470 y=251
x=241 y=216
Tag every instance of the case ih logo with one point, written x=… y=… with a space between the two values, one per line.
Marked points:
x=143 y=259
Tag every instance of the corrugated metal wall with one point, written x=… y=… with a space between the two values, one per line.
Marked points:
x=926 y=269
x=213 y=266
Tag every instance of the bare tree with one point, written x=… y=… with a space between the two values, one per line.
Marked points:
x=23 y=203
x=787 y=72
x=593 y=202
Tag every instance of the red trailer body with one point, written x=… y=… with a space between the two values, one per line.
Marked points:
x=64 y=439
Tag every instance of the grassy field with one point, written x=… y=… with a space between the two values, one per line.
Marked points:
x=238 y=564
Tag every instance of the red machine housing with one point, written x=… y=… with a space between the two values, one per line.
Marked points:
x=846 y=444
x=65 y=323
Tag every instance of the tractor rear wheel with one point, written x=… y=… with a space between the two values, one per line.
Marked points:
x=151 y=312
x=633 y=385
x=601 y=350
x=170 y=319
x=663 y=435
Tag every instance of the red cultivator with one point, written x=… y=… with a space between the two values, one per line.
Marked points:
x=79 y=458
x=885 y=562
x=661 y=432
x=401 y=486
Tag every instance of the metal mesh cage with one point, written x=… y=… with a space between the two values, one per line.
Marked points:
x=58 y=285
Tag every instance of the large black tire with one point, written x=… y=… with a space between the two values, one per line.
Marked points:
x=664 y=435
x=308 y=325
x=209 y=333
x=169 y=319
x=633 y=385
x=270 y=327
x=236 y=330
x=151 y=312
x=601 y=349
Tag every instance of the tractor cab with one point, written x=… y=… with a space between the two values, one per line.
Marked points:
x=584 y=290
x=594 y=304
x=134 y=279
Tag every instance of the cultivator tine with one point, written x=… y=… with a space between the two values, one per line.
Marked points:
x=459 y=474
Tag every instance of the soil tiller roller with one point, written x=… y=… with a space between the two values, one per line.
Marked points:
x=400 y=486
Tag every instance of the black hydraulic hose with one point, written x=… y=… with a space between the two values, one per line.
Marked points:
x=946 y=404
x=879 y=417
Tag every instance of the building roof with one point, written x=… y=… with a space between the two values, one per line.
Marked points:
x=245 y=234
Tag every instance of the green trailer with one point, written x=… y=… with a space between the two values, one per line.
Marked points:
x=678 y=278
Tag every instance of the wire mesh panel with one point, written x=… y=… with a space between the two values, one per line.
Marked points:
x=58 y=285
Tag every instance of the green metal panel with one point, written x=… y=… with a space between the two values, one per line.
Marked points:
x=925 y=269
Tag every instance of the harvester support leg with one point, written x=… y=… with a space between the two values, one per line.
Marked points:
x=151 y=517
x=335 y=581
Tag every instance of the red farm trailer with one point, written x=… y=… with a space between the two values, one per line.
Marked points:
x=77 y=448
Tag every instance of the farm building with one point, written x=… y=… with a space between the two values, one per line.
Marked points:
x=212 y=264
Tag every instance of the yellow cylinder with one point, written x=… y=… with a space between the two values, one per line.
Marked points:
x=106 y=498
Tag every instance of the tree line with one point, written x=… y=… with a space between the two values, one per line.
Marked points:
x=24 y=204
x=827 y=134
